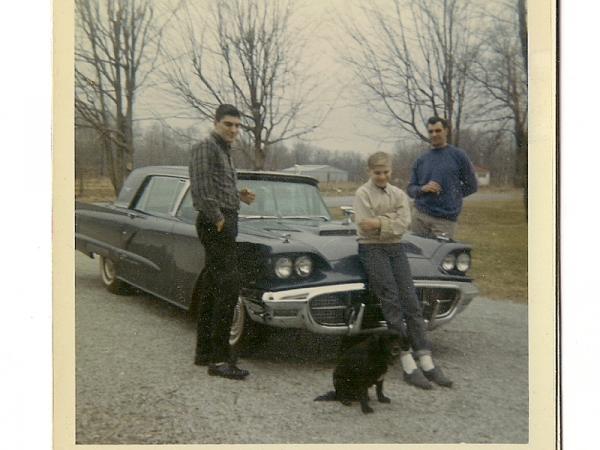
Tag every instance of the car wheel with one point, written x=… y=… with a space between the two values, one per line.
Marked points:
x=108 y=273
x=245 y=334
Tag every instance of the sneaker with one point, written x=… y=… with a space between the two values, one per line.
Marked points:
x=416 y=378
x=227 y=370
x=437 y=376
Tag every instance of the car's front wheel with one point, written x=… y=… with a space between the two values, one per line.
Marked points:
x=108 y=273
x=245 y=334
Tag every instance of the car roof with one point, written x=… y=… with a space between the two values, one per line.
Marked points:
x=137 y=177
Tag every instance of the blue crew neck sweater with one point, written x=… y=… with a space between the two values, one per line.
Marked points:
x=451 y=168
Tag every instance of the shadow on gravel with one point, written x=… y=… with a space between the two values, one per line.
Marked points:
x=296 y=346
x=280 y=345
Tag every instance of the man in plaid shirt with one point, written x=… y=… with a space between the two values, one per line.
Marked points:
x=215 y=196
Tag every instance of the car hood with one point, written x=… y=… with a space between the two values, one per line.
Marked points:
x=332 y=240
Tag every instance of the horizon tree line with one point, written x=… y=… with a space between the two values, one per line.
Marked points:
x=417 y=58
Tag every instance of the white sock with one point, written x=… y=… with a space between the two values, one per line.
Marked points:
x=408 y=362
x=426 y=362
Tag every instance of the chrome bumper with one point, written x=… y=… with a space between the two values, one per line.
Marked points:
x=292 y=308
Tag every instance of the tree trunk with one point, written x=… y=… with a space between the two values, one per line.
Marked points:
x=107 y=149
x=522 y=13
x=259 y=156
x=259 y=151
x=521 y=173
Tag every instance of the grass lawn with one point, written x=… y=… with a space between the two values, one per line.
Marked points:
x=498 y=232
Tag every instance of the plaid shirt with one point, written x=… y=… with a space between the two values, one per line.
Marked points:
x=213 y=178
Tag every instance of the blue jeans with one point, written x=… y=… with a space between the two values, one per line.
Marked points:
x=390 y=280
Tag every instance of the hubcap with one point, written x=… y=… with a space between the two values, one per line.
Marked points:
x=108 y=270
x=237 y=325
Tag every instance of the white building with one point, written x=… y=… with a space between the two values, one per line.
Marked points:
x=483 y=176
x=324 y=173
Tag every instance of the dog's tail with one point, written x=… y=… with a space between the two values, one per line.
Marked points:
x=326 y=397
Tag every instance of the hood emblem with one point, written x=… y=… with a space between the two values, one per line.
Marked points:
x=348 y=213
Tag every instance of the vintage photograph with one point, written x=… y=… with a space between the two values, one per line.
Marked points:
x=304 y=222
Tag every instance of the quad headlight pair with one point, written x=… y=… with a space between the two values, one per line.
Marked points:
x=285 y=266
x=460 y=262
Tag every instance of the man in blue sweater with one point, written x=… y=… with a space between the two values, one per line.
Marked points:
x=440 y=179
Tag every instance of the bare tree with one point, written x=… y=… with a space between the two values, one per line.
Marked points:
x=116 y=48
x=413 y=61
x=245 y=52
x=502 y=75
x=523 y=35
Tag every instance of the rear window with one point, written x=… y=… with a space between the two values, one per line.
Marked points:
x=160 y=195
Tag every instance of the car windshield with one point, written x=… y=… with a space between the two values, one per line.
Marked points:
x=283 y=199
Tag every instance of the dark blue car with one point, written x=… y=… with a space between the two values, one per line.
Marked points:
x=299 y=267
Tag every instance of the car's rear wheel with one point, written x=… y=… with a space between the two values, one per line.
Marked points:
x=108 y=274
x=245 y=334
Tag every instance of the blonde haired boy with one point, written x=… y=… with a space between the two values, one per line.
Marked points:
x=382 y=214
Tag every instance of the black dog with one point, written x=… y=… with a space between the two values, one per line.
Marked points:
x=361 y=365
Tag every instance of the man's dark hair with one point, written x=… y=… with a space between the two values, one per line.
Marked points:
x=435 y=119
x=226 y=110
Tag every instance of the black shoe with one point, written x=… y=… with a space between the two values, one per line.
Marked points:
x=437 y=376
x=202 y=360
x=416 y=378
x=227 y=370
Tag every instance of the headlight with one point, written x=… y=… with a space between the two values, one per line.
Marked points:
x=283 y=267
x=448 y=262
x=463 y=262
x=303 y=266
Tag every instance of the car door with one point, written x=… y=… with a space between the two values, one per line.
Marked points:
x=188 y=252
x=148 y=263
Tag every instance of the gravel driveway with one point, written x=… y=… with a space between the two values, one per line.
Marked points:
x=136 y=384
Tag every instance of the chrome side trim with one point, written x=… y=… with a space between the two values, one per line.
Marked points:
x=310 y=292
x=117 y=254
x=439 y=284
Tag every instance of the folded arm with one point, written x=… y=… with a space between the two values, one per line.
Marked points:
x=389 y=225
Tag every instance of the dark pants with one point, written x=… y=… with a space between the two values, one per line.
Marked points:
x=220 y=288
x=390 y=280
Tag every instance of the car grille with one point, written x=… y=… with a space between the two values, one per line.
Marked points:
x=337 y=309
x=445 y=296
x=331 y=309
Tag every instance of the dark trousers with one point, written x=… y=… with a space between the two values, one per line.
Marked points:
x=390 y=280
x=220 y=288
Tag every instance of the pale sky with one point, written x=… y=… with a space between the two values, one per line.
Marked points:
x=347 y=126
